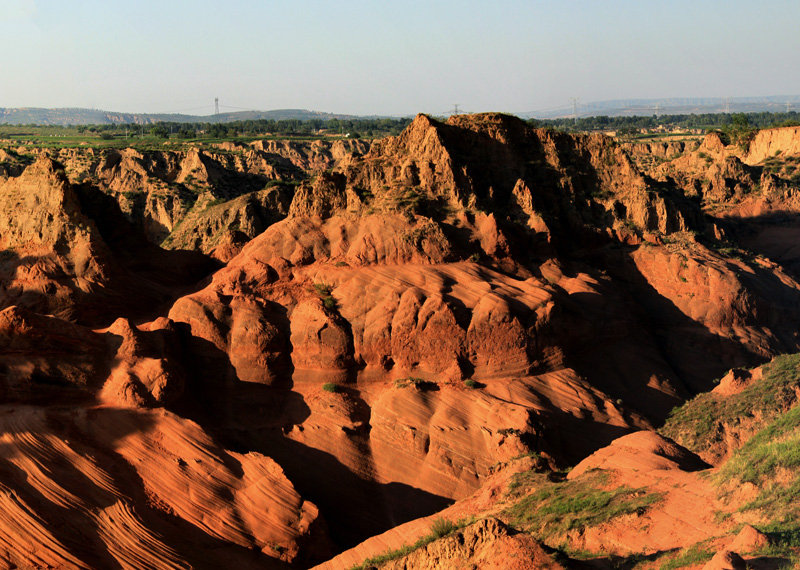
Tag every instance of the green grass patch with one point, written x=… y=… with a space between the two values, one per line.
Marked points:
x=696 y=554
x=784 y=542
x=554 y=508
x=771 y=461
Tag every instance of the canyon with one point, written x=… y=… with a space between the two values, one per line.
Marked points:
x=289 y=354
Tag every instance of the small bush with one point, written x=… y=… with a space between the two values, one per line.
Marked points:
x=470 y=383
x=442 y=527
x=330 y=387
x=418 y=383
x=324 y=291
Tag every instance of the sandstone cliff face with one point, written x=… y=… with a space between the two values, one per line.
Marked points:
x=86 y=486
x=771 y=142
x=71 y=364
x=109 y=486
x=159 y=190
x=495 y=163
x=53 y=254
x=66 y=252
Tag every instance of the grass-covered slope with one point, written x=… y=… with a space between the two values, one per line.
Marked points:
x=759 y=427
x=712 y=422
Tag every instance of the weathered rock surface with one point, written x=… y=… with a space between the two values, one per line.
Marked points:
x=485 y=544
x=95 y=487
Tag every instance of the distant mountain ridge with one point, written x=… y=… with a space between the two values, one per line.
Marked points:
x=672 y=106
x=612 y=108
x=79 y=116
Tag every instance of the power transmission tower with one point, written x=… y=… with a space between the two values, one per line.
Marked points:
x=455 y=109
x=727 y=105
x=788 y=106
x=657 y=109
x=575 y=109
x=216 y=105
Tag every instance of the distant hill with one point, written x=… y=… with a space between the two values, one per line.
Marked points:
x=672 y=106
x=613 y=108
x=78 y=116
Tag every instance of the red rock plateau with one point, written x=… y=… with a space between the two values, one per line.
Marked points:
x=290 y=354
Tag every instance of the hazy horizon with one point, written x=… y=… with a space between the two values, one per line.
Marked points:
x=363 y=58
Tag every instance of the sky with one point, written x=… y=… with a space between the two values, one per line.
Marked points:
x=390 y=58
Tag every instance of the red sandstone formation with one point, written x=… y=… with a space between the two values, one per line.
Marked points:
x=385 y=331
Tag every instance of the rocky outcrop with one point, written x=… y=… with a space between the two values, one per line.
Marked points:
x=485 y=544
x=67 y=252
x=221 y=228
x=315 y=156
x=490 y=162
x=167 y=193
x=53 y=255
x=71 y=364
x=146 y=369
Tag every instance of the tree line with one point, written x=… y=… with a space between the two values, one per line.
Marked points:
x=354 y=128
x=703 y=121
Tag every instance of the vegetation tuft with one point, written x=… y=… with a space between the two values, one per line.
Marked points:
x=691 y=556
x=418 y=383
x=324 y=291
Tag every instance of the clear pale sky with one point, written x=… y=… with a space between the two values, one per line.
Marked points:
x=390 y=57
